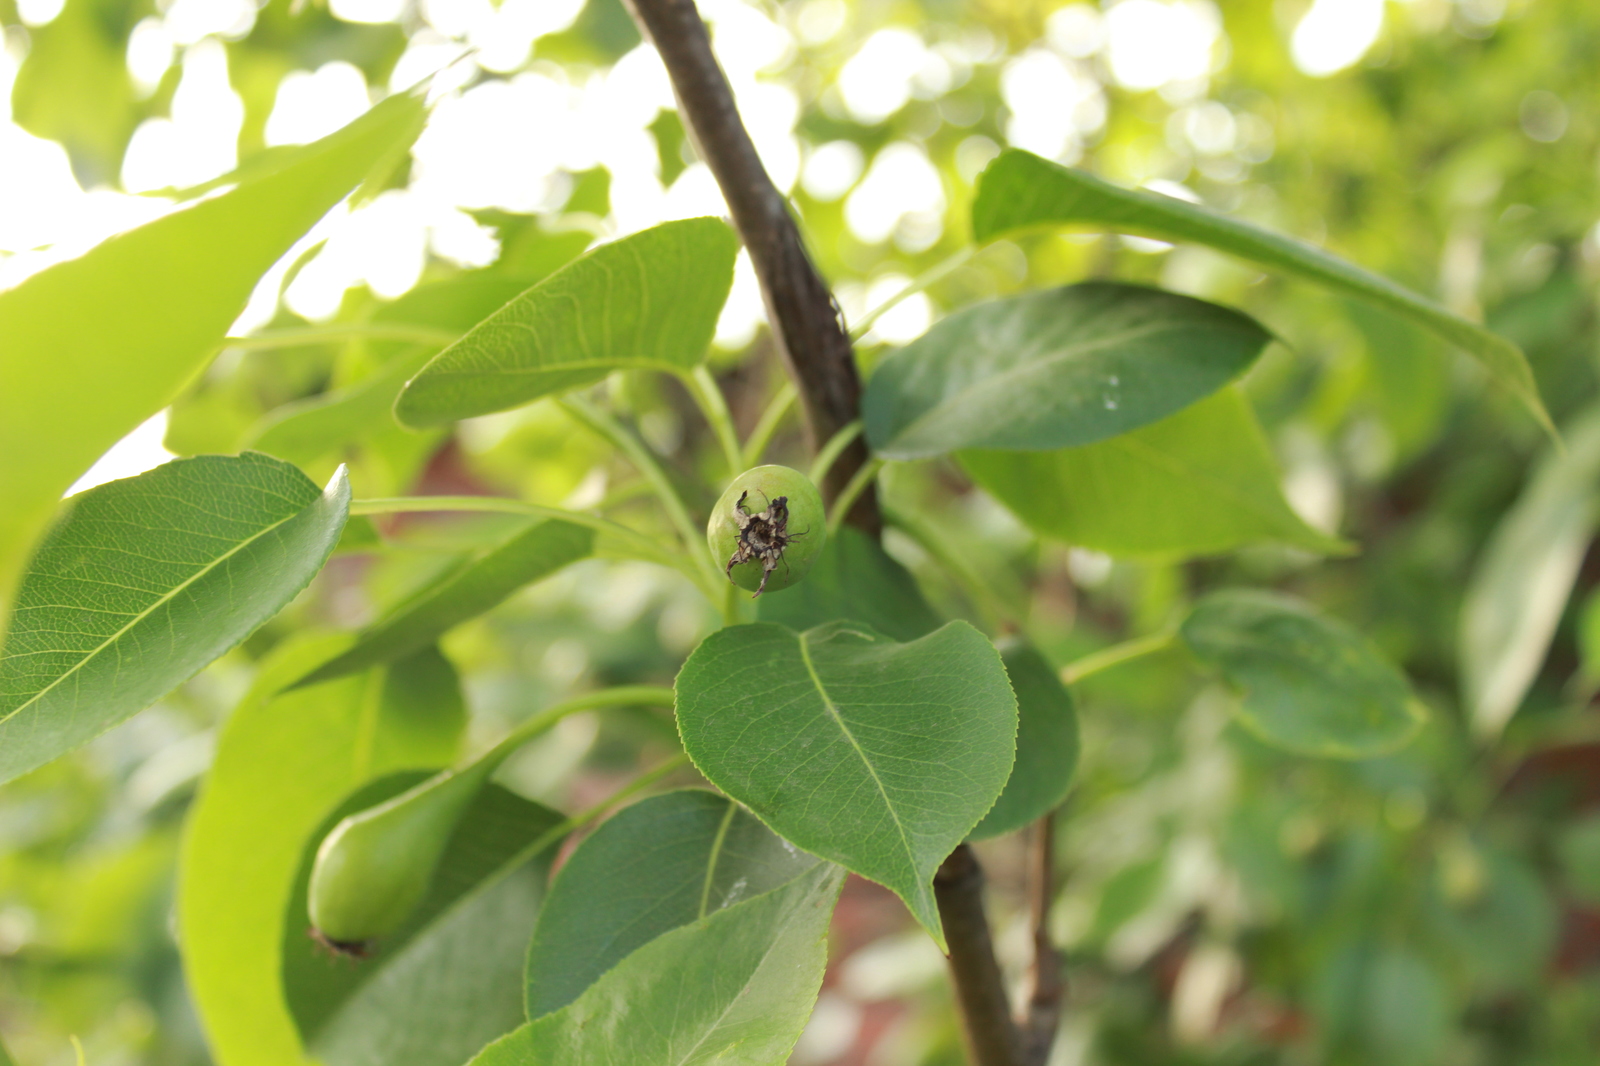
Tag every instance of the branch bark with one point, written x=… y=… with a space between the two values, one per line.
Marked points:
x=992 y=1037
x=805 y=321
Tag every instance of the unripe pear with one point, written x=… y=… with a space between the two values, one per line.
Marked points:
x=768 y=528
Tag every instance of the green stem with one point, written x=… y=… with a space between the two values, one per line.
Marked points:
x=831 y=451
x=631 y=541
x=997 y=614
x=612 y=430
x=851 y=492
x=301 y=337
x=1106 y=658
x=767 y=425
x=932 y=276
x=703 y=387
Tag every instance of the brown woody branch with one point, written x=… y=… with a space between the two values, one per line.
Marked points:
x=992 y=1037
x=1044 y=990
x=810 y=337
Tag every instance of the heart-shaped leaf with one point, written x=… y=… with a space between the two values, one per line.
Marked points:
x=285 y=761
x=650 y=300
x=1199 y=482
x=1047 y=743
x=467 y=590
x=878 y=755
x=1053 y=369
x=853 y=578
x=144 y=581
x=734 y=987
x=1308 y=683
x=96 y=345
x=450 y=980
x=665 y=862
x=1021 y=191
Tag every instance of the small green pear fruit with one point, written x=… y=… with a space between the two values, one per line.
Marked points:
x=768 y=528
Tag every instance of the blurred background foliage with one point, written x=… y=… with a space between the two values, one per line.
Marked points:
x=1222 y=902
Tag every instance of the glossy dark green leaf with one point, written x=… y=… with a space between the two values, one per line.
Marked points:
x=1047 y=743
x=853 y=578
x=473 y=586
x=1053 y=369
x=877 y=755
x=665 y=862
x=650 y=300
x=1520 y=586
x=1307 y=683
x=96 y=345
x=143 y=582
x=734 y=987
x=1199 y=482
x=1021 y=191
x=285 y=762
x=307 y=429
x=450 y=980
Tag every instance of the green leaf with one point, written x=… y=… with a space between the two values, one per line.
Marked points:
x=1578 y=848
x=96 y=345
x=1047 y=743
x=143 y=582
x=853 y=578
x=307 y=429
x=1308 y=683
x=665 y=862
x=286 y=760
x=650 y=300
x=478 y=583
x=735 y=987
x=1199 y=482
x=1054 y=369
x=450 y=980
x=877 y=755
x=1521 y=585
x=1021 y=191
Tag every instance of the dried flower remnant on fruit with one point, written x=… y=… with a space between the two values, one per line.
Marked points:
x=763 y=536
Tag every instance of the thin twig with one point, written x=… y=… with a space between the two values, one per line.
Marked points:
x=800 y=306
x=1043 y=990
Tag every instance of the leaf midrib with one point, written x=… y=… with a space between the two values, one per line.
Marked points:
x=147 y=612
x=714 y=857
x=833 y=710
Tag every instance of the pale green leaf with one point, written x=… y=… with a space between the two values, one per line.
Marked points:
x=1521 y=585
x=144 y=581
x=476 y=584
x=734 y=987
x=1053 y=369
x=1307 y=683
x=877 y=755
x=450 y=980
x=1200 y=482
x=650 y=300
x=96 y=345
x=665 y=862
x=1021 y=191
x=285 y=762
x=1047 y=743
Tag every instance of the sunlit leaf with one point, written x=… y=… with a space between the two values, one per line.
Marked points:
x=1053 y=369
x=285 y=762
x=1199 y=482
x=143 y=582
x=96 y=345
x=1047 y=743
x=468 y=589
x=665 y=862
x=734 y=987
x=1521 y=585
x=1307 y=683
x=878 y=755
x=650 y=300
x=1021 y=191
x=450 y=980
